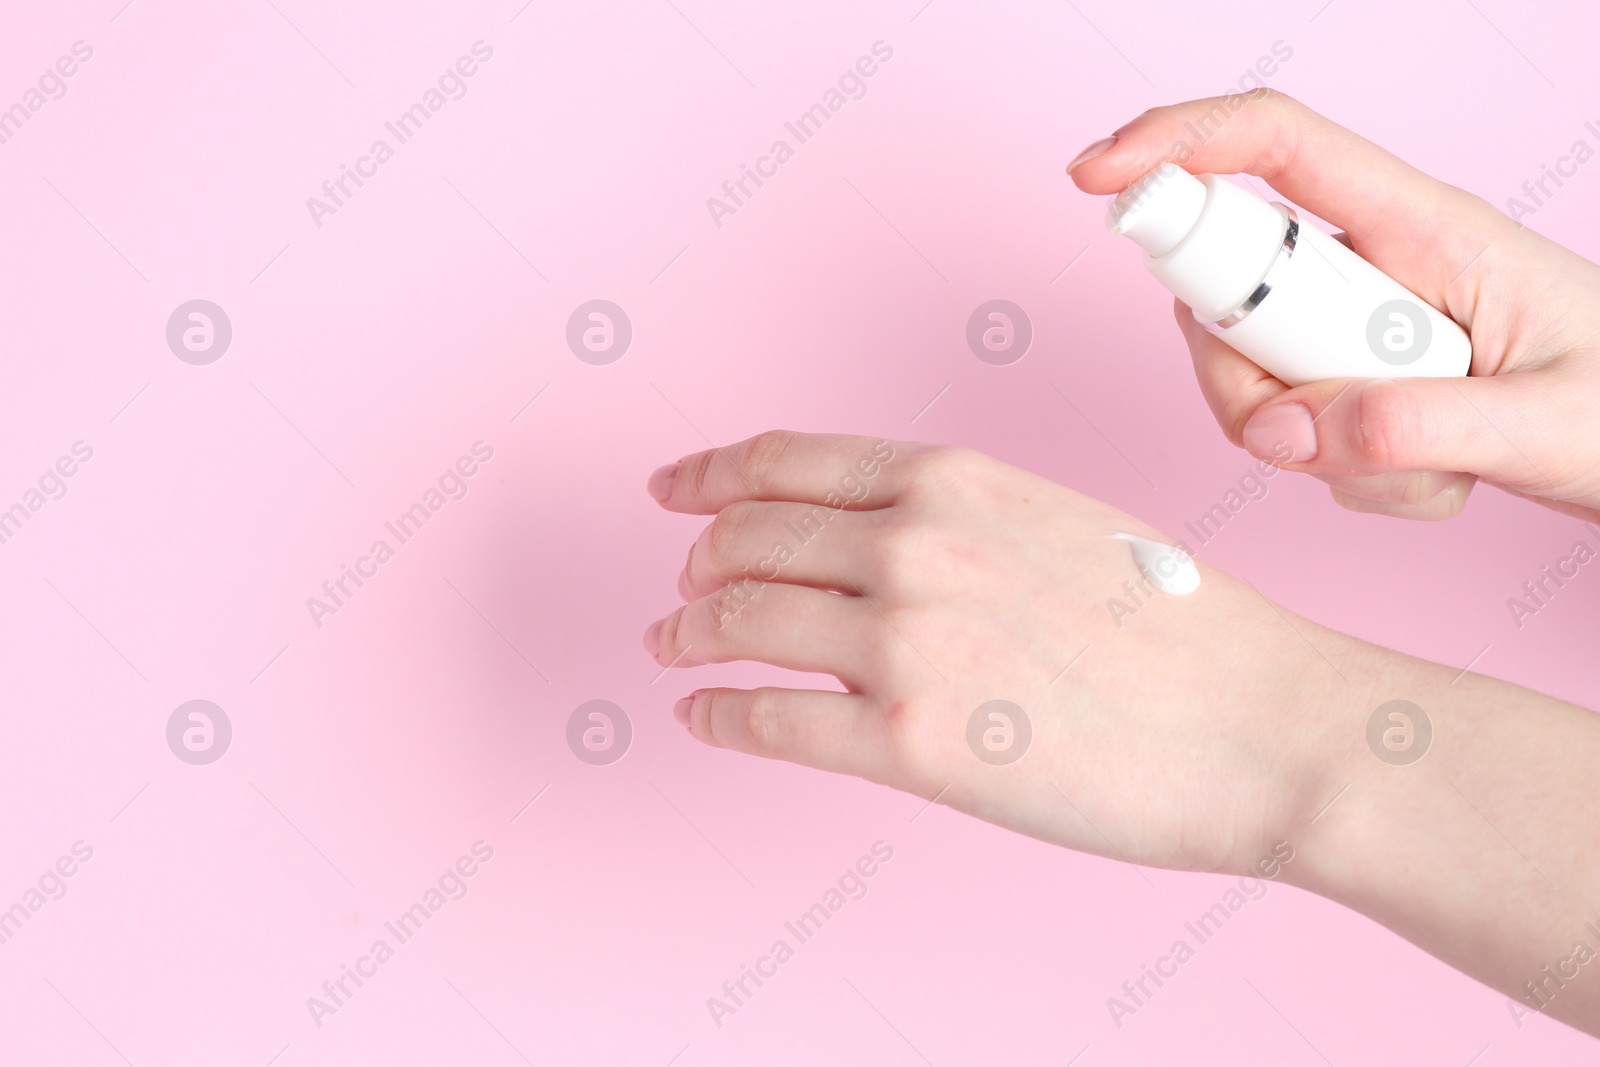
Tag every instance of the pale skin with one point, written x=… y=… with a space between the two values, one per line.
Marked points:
x=1199 y=732
x=1413 y=448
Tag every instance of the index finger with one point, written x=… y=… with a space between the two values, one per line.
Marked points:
x=1417 y=228
x=834 y=470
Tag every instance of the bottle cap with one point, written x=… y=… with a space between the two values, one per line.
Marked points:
x=1210 y=242
x=1159 y=209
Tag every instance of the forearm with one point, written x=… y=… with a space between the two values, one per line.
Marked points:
x=1482 y=852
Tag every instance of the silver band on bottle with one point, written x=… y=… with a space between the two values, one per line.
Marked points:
x=1291 y=235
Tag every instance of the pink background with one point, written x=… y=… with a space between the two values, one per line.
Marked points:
x=370 y=753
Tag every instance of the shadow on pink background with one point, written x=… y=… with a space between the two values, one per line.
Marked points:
x=425 y=314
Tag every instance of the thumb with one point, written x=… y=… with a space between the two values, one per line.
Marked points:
x=1481 y=426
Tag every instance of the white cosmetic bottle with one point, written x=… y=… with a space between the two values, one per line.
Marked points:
x=1299 y=304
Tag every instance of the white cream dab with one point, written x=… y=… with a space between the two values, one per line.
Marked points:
x=1169 y=569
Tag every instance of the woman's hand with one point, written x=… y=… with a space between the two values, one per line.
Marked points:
x=1412 y=447
x=1181 y=731
x=1211 y=731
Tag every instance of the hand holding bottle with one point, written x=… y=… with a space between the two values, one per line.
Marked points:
x=1408 y=447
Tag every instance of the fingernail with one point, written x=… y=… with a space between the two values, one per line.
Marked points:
x=1282 y=433
x=652 y=637
x=661 y=481
x=680 y=710
x=1096 y=149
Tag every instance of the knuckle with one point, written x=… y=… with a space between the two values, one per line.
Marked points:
x=1454 y=499
x=1387 y=421
x=711 y=707
x=898 y=716
x=1425 y=495
x=1420 y=487
x=1284 y=147
x=1145 y=117
x=762 y=452
x=951 y=468
x=723 y=605
x=915 y=736
x=671 y=633
x=960 y=462
x=1233 y=411
x=686 y=576
x=725 y=609
x=1349 y=501
x=763 y=722
x=724 y=533
x=697 y=469
x=1287 y=109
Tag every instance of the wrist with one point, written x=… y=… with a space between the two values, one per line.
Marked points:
x=1375 y=777
x=1324 y=715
